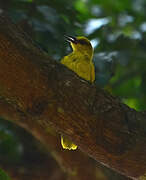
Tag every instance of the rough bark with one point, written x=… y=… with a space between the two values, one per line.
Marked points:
x=37 y=93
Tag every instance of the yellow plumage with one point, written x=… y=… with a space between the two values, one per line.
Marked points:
x=79 y=61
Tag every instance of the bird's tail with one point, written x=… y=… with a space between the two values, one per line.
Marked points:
x=67 y=144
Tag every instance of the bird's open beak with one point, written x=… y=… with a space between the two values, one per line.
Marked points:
x=71 y=39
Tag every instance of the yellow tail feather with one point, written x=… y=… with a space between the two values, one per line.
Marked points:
x=67 y=144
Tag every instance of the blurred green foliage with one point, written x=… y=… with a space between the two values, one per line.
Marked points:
x=3 y=175
x=117 y=30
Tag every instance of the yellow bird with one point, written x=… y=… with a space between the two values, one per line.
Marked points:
x=79 y=61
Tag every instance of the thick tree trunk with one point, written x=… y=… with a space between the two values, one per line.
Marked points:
x=37 y=92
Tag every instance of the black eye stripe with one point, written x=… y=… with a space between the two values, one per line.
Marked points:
x=84 y=42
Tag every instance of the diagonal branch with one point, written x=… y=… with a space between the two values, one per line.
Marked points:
x=37 y=93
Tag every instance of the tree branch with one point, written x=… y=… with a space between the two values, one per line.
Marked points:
x=37 y=92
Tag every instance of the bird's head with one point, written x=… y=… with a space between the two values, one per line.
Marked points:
x=81 y=45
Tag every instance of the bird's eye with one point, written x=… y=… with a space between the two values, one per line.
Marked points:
x=83 y=42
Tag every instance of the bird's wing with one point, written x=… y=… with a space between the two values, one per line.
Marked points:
x=85 y=70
